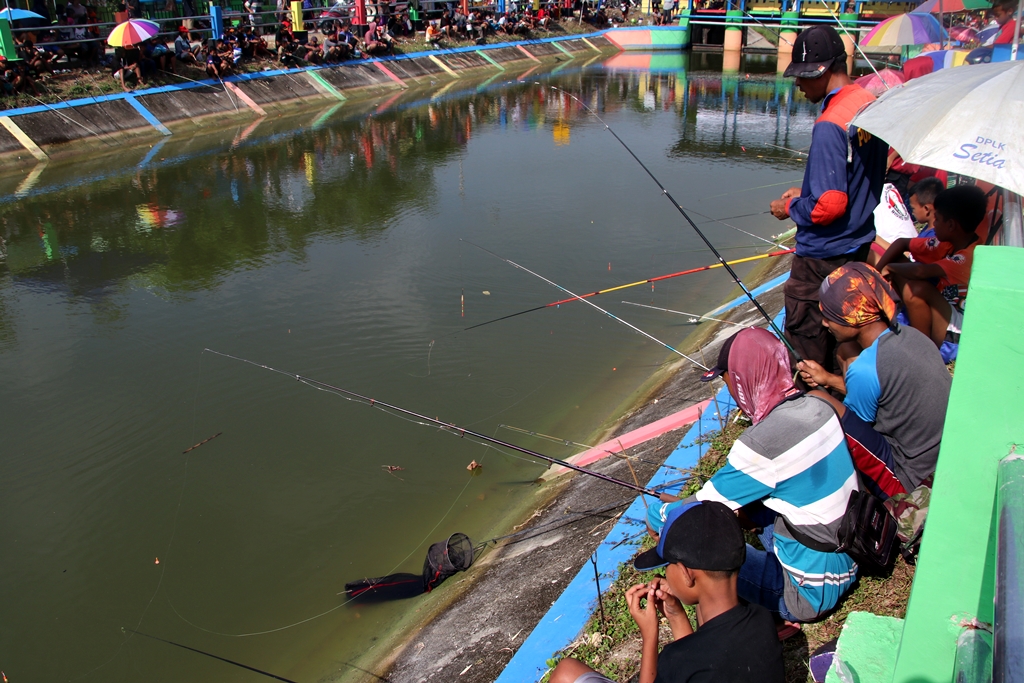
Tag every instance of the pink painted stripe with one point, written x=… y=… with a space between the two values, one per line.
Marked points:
x=390 y=74
x=528 y=53
x=635 y=437
x=248 y=101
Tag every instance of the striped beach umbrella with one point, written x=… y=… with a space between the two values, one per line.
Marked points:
x=905 y=29
x=132 y=32
x=952 y=6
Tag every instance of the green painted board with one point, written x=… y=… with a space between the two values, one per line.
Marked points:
x=866 y=652
x=955 y=571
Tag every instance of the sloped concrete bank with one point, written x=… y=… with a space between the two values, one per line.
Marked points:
x=41 y=132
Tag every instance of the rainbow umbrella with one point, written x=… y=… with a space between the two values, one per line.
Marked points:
x=952 y=6
x=132 y=32
x=905 y=29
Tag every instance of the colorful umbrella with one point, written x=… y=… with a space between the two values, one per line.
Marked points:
x=964 y=120
x=952 y=6
x=964 y=34
x=132 y=32
x=15 y=14
x=905 y=29
x=878 y=83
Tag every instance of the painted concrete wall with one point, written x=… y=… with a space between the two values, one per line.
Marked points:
x=955 y=575
x=32 y=133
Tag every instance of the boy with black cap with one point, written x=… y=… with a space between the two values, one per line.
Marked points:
x=702 y=548
x=842 y=186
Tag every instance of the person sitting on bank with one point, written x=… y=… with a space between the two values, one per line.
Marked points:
x=937 y=311
x=922 y=203
x=433 y=36
x=842 y=186
x=702 y=550
x=792 y=474
x=376 y=40
x=128 y=63
x=183 y=50
x=895 y=384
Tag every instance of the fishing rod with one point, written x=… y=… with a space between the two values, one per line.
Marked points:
x=694 y=317
x=212 y=656
x=580 y=297
x=589 y=303
x=693 y=225
x=449 y=427
x=855 y=44
x=730 y=225
x=794 y=151
x=566 y=442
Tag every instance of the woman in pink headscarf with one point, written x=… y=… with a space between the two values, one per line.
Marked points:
x=792 y=474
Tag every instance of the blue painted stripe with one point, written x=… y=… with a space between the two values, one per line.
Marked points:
x=147 y=114
x=740 y=300
x=570 y=612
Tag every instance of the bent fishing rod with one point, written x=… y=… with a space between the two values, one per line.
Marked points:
x=449 y=427
x=634 y=284
x=686 y=216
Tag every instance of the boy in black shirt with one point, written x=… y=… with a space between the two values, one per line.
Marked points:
x=702 y=548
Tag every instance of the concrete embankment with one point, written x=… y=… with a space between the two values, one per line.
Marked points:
x=41 y=132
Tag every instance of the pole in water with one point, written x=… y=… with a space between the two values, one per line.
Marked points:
x=212 y=656
x=589 y=303
x=449 y=427
x=693 y=225
x=652 y=280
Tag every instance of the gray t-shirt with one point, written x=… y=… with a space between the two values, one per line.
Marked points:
x=900 y=384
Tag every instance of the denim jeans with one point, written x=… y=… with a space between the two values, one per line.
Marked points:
x=761 y=578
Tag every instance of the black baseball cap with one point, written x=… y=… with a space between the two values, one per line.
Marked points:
x=702 y=535
x=814 y=52
x=723 y=361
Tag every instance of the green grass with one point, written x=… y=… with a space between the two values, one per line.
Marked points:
x=612 y=646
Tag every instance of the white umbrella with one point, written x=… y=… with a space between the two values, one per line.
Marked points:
x=965 y=120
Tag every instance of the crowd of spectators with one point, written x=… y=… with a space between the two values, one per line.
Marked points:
x=846 y=412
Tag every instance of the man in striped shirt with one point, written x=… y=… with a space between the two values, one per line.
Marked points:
x=792 y=475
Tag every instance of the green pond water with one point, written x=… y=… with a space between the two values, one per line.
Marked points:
x=328 y=243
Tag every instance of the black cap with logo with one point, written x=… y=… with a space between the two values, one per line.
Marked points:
x=814 y=52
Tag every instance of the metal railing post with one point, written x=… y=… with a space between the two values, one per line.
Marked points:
x=1008 y=631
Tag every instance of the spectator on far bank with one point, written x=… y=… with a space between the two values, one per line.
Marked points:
x=1003 y=12
x=184 y=51
x=128 y=66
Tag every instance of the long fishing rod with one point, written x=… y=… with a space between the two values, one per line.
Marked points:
x=693 y=316
x=589 y=303
x=449 y=427
x=580 y=297
x=566 y=442
x=730 y=225
x=212 y=656
x=839 y=23
x=689 y=220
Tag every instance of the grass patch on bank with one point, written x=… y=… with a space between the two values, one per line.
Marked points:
x=613 y=646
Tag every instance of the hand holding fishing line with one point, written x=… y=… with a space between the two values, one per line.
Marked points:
x=693 y=225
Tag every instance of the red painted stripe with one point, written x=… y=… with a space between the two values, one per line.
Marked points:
x=390 y=74
x=527 y=53
x=635 y=437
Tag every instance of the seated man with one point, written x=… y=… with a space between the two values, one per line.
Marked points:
x=922 y=203
x=433 y=36
x=934 y=288
x=895 y=382
x=183 y=50
x=793 y=475
x=702 y=550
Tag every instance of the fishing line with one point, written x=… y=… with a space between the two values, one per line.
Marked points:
x=689 y=220
x=730 y=225
x=854 y=39
x=794 y=151
x=589 y=303
x=566 y=442
x=694 y=316
x=447 y=427
x=581 y=297
x=218 y=657
x=758 y=187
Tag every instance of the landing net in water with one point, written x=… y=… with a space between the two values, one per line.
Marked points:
x=444 y=560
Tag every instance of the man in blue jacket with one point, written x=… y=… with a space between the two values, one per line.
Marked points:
x=842 y=186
